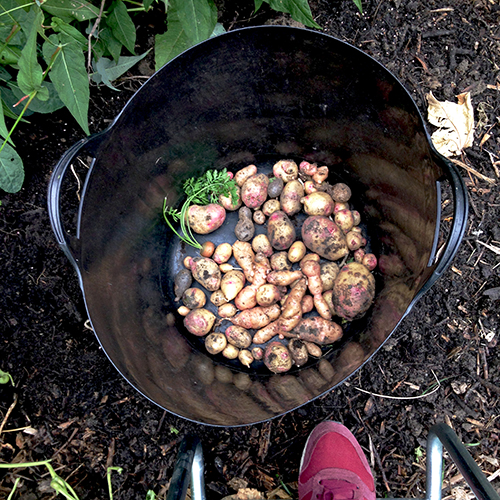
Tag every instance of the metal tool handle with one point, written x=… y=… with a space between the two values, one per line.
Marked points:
x=68 y=243
x=460 y=212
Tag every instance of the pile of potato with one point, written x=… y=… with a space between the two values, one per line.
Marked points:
x=282 y=297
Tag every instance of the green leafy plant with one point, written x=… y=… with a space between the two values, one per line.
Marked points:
x=51 y=51
x=5 y=378
x=199 y=191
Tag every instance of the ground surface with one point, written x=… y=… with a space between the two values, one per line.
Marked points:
x=81 y=414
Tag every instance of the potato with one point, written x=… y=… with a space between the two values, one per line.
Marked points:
x=370 y=261
x=238 y=336
x=267 y=333
x=199 y=322
x=296 y=252
x=245 y=257
x=245 y=357
x=275 y=187
x=328 y=298
x=283 y=278
x=354 y=240
x=218 y=298
x=256 y=317
x=313 y=349
x=222 y=253
x=183 y=310
x=261 y=243
x=309 y=187
x=231 y=352
x=194 y=298
x=257 y=353
x=215 y=343
x=232 y=283
x=277 y=357
x=356 y=216
x=280 y=231
x=207 y=249
x=344 y=220
x=322 y=236
x=307 y=304
x=244 y=229
x=318 y=330
x=341 y=192
x=243 y=174
x=298 y=350
x=318 y=203
x=259 y=217
x=270 y=206
x=353 y=291
x=340 y=206
x=286 y=170
x=182 y=281
x=307 y=168
x=329 y=271
x=227 y=310
x=321 y=175
x=290 y=197
x=206 y=272
x=227 y=201
x=359 y=255
x=268 y=294
x=206 y=219
x=254 y=190
x=279 y=262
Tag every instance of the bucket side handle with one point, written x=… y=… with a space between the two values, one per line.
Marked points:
x=68 y=243
x=460 y=212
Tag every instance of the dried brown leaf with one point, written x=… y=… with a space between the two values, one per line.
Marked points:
x=455 y=122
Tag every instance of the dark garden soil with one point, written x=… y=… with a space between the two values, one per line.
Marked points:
x=70 y=405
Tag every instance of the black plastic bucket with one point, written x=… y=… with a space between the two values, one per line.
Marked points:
x=251 y=96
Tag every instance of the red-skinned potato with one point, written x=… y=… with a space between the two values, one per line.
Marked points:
x=254 y=190
x=322 y=236
x=222 y=253
x=354 y=240
x=307 y=304
x=206 y=272
x=280 y=231
x=286 y=170
x=307 y=168
x=309 y=187
x=321 y=175
x=290 y=198
x=206 y=219
x=318 y=203
x=277 y=357
x=199 y=322
x=370 y=261
x=353 y=291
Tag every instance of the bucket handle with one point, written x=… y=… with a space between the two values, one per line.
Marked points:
x=68 y=243
x=460 y=213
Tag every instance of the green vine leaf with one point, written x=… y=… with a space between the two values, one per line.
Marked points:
x=4 y=131
x=121 y=25
x=80 y=10
x=69 y=76
x=197 y=17
x=107 y=70
x=60 y=26
x=11 y=170
x=171 y=43
x=298 y=9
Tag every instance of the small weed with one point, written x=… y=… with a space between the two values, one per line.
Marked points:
x=5 y=378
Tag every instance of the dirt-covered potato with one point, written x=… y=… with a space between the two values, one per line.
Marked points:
x=215 y=342
x=329 y=271
x=238 y=336
x=244 y=173
x=245 y=228
x=206 y=219
x=259 y=217
x=268 y=295
x=270 y=206
x=318 y=330
x=369 y=261
x=245 y=357
x=344 y=220
x=261 y=243
x=218 y=298
x=227 y=310
x=353 y=291
x=322 y=236
x=194 y=298
x=341 y=192
x=199 y=322
x=254 y=191
x=290 y=197
x=354 y=240
x=182 y=281
x=296 y=252
x=275 y=187
x=277 y=357
x=232 y=283
x=280 y=231
x=206 y=272
x=279 y=262
x=287 y=170
x=298 y=350
x=318 y=203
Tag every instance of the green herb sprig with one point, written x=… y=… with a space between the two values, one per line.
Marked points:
x=199 y=191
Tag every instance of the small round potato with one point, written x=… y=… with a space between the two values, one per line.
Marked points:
x=275 y=187
x=268 y=294
x=222 y=253
x=238 y=336
x=215 y=342
x=279 y=262
x=286 y=170
x=259 y=217
x=280 y=231
x=230 y=352
x=290 y=197
x=298 y=351
x=227 y=310
x=341 y=192
x=245 y=357
x=277 y=357
x=329 y=271
x=270 y=206
x=261 y=243
x=194 y=298
x=199 y=322
x=218 y=298
x=296 y=252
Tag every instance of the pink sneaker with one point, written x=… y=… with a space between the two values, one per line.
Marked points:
x=334 y=467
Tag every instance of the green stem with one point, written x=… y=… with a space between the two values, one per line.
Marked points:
x=108 y=474
x=11 y=494
x=16 y=8
x=24 y=464
x=31 y=97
